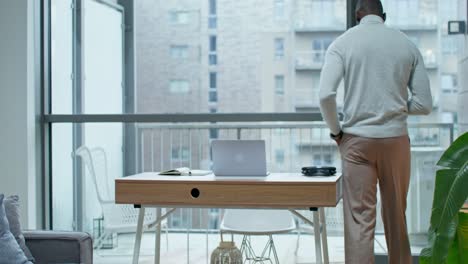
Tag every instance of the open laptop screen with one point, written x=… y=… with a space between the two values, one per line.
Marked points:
x=239 y=158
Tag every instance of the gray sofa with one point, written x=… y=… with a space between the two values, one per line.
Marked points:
x=60 y=247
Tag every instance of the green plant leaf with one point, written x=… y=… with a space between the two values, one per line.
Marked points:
x=443 y=241
x=457 y=154
x=456 y=196
x=443 y=183
x=440 y=241
x=449 y=195
x=425 y=256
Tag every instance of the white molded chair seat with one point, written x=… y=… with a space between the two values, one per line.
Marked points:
x=257 y=222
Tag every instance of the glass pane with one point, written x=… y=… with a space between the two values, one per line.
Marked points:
x=109 y=139
x=246 y=42
x=61 y=96
x=61 y=56
x=62 y=177
x=103 y=61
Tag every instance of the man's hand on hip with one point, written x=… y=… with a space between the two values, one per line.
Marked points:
x=337 y=138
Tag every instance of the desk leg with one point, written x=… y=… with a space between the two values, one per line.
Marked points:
x=323 y=224
x=139 y=233
x=157 y=242
x=318 y=247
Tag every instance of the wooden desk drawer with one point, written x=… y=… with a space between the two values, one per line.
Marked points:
x=199 y=194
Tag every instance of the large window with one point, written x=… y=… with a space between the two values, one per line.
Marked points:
x=215 y=57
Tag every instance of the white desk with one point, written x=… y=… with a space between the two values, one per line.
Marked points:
x=290 y=191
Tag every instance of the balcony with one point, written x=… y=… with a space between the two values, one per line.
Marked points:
x=311 y=26
x=407 y=22
x=309 y=60
x=313 y=60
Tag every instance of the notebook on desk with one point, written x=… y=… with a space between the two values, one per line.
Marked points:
x=239 y=158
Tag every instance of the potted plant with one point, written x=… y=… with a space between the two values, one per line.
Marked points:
x=451 y=192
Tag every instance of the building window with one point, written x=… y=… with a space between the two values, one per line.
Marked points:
x=212 y=22
x=213 y=57
x=180 y=153
x=179 y=51
x=279 y=12
x=212 y=43
x=279 y=156
x=212 y=19
x=179 y=17
x=213 y=96
x=327 y=159
x=449 y=83
x=214 y=133
x=212 y=7
x=213 y=78
x=279 y=48
x=319 y=48
x=449 y=45
x=279 y=84
x=179 y=86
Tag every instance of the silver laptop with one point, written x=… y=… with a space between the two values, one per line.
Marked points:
x=239 y=158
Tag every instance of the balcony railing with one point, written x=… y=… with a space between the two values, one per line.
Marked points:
x=289 y=146
x=313 y=60
x=310 y=60
x=307 y=25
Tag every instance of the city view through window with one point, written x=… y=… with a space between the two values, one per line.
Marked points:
x=225 y=56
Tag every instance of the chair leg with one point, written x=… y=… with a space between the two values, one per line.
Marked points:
x=296 y=250
x=247 y=250
x=275 y=254
x=271 y=249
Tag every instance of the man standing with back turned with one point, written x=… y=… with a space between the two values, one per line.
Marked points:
x=385 y=81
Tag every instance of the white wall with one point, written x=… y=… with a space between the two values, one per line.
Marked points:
x=17 y=106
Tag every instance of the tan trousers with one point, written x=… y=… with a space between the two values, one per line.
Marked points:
x=366 y=162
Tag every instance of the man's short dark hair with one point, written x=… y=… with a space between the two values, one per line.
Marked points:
x=370 y=6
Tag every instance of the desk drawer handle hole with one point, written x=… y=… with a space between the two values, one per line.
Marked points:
x=195 y=193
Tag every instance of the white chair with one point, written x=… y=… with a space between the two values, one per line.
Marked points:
x=257 y=223
x=117 y=218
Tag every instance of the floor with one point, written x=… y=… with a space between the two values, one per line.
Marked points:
x=175 y=252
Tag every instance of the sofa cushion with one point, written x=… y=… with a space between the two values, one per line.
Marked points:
x=12 y=209
x=10 y=251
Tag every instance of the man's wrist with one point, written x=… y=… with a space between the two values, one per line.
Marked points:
x=337 y=136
